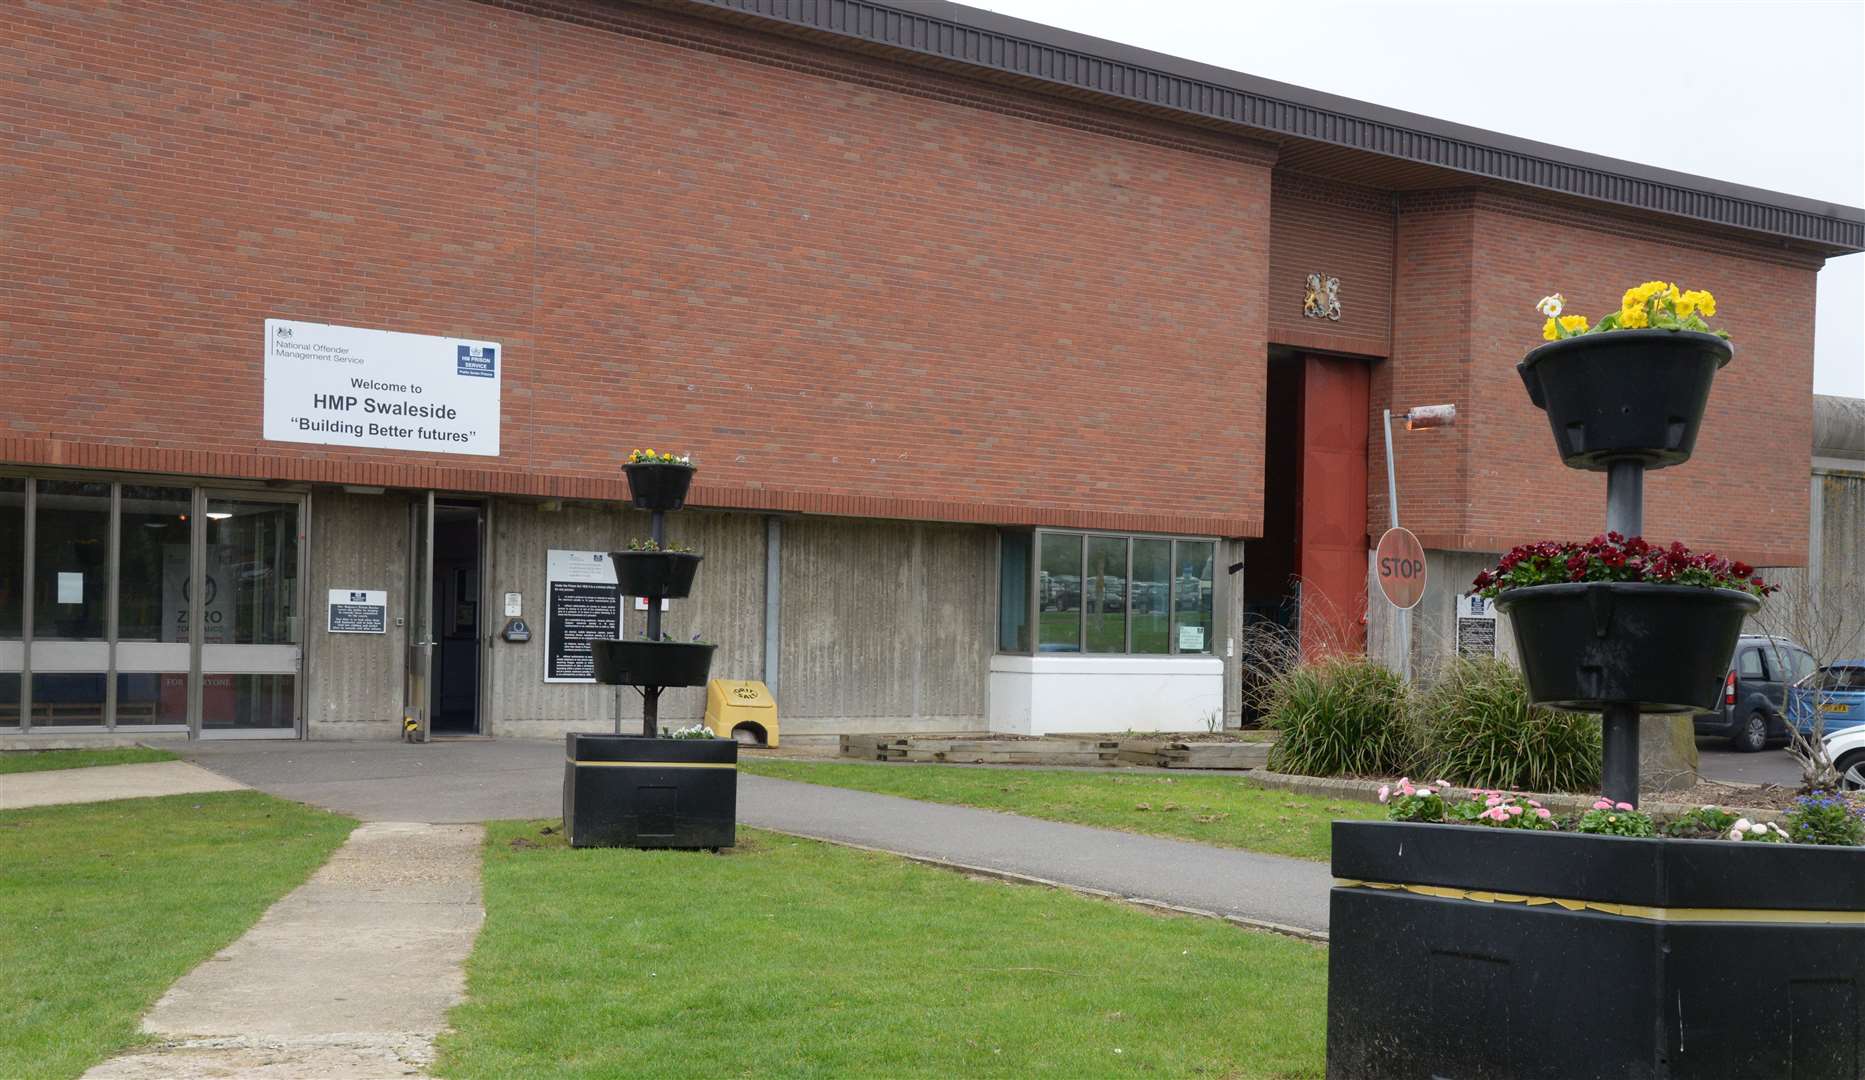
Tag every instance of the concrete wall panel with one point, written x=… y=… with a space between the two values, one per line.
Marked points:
x=886 y=626
x=355 y=688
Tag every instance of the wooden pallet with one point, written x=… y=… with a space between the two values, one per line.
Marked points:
x=962 y=751
x=1195 y=755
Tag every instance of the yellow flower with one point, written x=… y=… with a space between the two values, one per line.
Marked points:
x=1570 y=325
x=1634 y=318
x=1698 y=300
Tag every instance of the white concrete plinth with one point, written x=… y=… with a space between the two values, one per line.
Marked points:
x=1042 y=695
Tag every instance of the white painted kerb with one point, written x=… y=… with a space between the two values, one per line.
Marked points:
x=1040 y=695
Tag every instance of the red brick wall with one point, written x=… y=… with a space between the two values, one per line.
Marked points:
x=846 y=286
x=1319 y=227
x=1495 y=480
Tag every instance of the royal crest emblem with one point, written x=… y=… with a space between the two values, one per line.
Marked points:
x=1322 y=299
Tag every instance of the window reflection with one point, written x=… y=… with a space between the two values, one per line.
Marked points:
x=1058 y=593
x=71 y=556
x=1105 y=594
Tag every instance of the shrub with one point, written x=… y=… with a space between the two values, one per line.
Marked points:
x=1344 y=716
x=1704 y=823
x=1412 y=803
x=1478 y=729
x=1503 y=810
x=1825 y=817
x=1610 y=819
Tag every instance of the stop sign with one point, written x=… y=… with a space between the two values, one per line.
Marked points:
x=1399 y=562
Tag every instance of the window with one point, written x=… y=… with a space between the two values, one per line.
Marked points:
x=1058 y=593
x=1842 y=677
x=1192 y=586
x=1106 y=594
x=12 y=596
x=152 y=564
x=1013 y=589
x=71 y=560
x=1749 y=667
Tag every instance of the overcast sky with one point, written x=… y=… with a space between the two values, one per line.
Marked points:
x=1769 y=93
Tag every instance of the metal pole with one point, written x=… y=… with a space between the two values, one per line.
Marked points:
x=651 y=695
x=1625 y=515
x=1392 y=509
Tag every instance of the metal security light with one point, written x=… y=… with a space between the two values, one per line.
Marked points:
x=1416 y=419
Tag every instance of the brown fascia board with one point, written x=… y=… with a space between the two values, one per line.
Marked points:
x=953 y=34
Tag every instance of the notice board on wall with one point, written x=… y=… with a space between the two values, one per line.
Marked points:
x=1476 y=626
x=582 y=603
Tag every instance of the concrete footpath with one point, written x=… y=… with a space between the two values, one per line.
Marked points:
x=349 y=977
x=487 y=779
x=103 y=783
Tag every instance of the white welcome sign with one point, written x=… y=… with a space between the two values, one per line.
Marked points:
x=347 y=386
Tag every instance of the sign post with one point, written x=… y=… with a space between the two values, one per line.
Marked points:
x=1399 y=566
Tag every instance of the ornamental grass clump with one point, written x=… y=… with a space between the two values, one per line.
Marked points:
x=1826 y=817
x=1345 y=716
x=1614 y=557
x=1479 y=729
x=1655 y=305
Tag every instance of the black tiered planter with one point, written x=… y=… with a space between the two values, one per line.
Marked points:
x=659 y=486
x=1625 y=395
x=1472 y=953
x=1587 y=645
x=655 y=573
x=652 y=663
x=631 y=791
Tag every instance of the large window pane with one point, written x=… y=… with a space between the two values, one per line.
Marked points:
x=247 y=702
x=1058 y=593
x=12 y=595
x=1013 y=592
x=152 y=564
x=12 y=557
x=1191 y=591
x=71 y=562
x=68 y=700
x=252 y=573
x=152 y=698
x=1152 y=588
x=9 y=698
x=1104 y=594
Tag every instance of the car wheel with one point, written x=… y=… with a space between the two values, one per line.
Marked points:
x=1753 y=736
x=1852 y=771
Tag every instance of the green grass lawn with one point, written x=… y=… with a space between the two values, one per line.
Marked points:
x=103 y=905
x=1220 y=810
x=788 y=957
x=16 y=761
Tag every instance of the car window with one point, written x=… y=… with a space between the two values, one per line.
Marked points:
x=1749 y=665
x=1848 y=677
x=1801 y=664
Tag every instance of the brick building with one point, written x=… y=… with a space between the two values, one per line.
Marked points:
x=991 y=342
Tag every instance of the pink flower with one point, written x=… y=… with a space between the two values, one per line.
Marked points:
x=1443 y=783
x=1405 y=786
x=1515 y=811
x=1385 y=791
x=1492 y=800
x=1542 y=814
x=1623 y=806
x=1603 y=804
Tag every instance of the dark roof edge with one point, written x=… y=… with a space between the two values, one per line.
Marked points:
x=973 y=37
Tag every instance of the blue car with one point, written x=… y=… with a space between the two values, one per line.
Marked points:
x=1836 y=691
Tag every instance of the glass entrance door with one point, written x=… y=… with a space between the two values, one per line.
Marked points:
x=249 y=560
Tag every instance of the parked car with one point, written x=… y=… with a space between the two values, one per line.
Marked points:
x=1847 y=750
x=1754 y=693
x=1836 y=690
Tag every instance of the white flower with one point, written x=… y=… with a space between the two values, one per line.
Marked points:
x=1424 y=791
x=1741 y=824
x=1385 y=792
x=1551 y=305
x=1735 y=834
x=1758 y=828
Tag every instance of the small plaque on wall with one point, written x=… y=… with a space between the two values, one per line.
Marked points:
x=358 y=611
